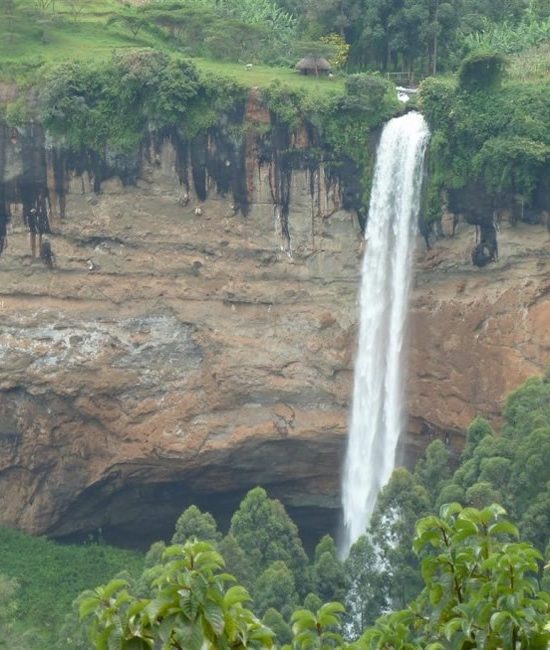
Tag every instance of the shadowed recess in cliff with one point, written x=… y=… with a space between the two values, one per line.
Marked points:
x=138 y=516
x=136 y=504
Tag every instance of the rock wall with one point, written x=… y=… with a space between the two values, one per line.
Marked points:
x=191 y=343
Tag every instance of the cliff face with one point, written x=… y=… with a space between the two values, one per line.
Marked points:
x=195 y=339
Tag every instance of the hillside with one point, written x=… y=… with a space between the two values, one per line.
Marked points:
x=65 y=30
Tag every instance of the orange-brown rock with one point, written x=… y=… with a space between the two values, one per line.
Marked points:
x=173 y=356
x=477 y=333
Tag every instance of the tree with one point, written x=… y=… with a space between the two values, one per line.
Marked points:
x=402 y=501
x=339 y=56
x=442 y=20
x=317 y=631
x=514 y=468
x=496 y=470
x=275 y=588
x=479 y=428
x=449 y=494
x=265 y=532
x=236 y=561
x=329 y=577
x=154 y=554
x=190 y=607
x=481 y=71
x=433 y=470
x=482 y=494
x=535 y=521
x=367 y=587
x=132 y=18
x=371 y=97
x=274 y=621
x=193 y=523
x=481 y=590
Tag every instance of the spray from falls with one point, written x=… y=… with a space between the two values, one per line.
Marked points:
x=377 y=412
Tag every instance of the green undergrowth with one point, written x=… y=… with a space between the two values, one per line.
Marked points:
x=494 y=135
x=51 y=575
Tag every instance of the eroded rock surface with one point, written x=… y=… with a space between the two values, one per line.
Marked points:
x=176 y=355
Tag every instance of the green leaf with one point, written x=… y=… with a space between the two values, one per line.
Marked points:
x=113 y=587
x=235 y=595
x=449 y=509
x=87 y=606
x=213 y=613
x=503 y=527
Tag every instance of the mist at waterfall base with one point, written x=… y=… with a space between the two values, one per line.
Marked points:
x=377 y=411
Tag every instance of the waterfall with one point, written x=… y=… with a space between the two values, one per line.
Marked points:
x=377 y=411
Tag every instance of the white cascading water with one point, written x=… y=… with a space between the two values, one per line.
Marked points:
x=377 y=411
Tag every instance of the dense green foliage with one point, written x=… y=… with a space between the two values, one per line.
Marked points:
x=191 y=606
x=480 y=588
x=491 y=140
x=508 y=37
x=383 y=572
x=480 y=591
x=515 y=466
x=113 y=104
x=418 y=36
x=90 y=104
x=41 y=579
x=249 y=30
x=267 y=535
x=481 y=71
x=194 y=523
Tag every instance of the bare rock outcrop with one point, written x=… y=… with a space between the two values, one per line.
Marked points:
x=174 y=355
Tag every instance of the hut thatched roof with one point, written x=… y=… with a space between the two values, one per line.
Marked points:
x=314 y=63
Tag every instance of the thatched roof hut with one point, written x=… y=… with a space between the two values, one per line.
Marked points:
x=313 y=65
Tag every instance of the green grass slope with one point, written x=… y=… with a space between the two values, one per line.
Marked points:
x=31 y=38
x=51 y=575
